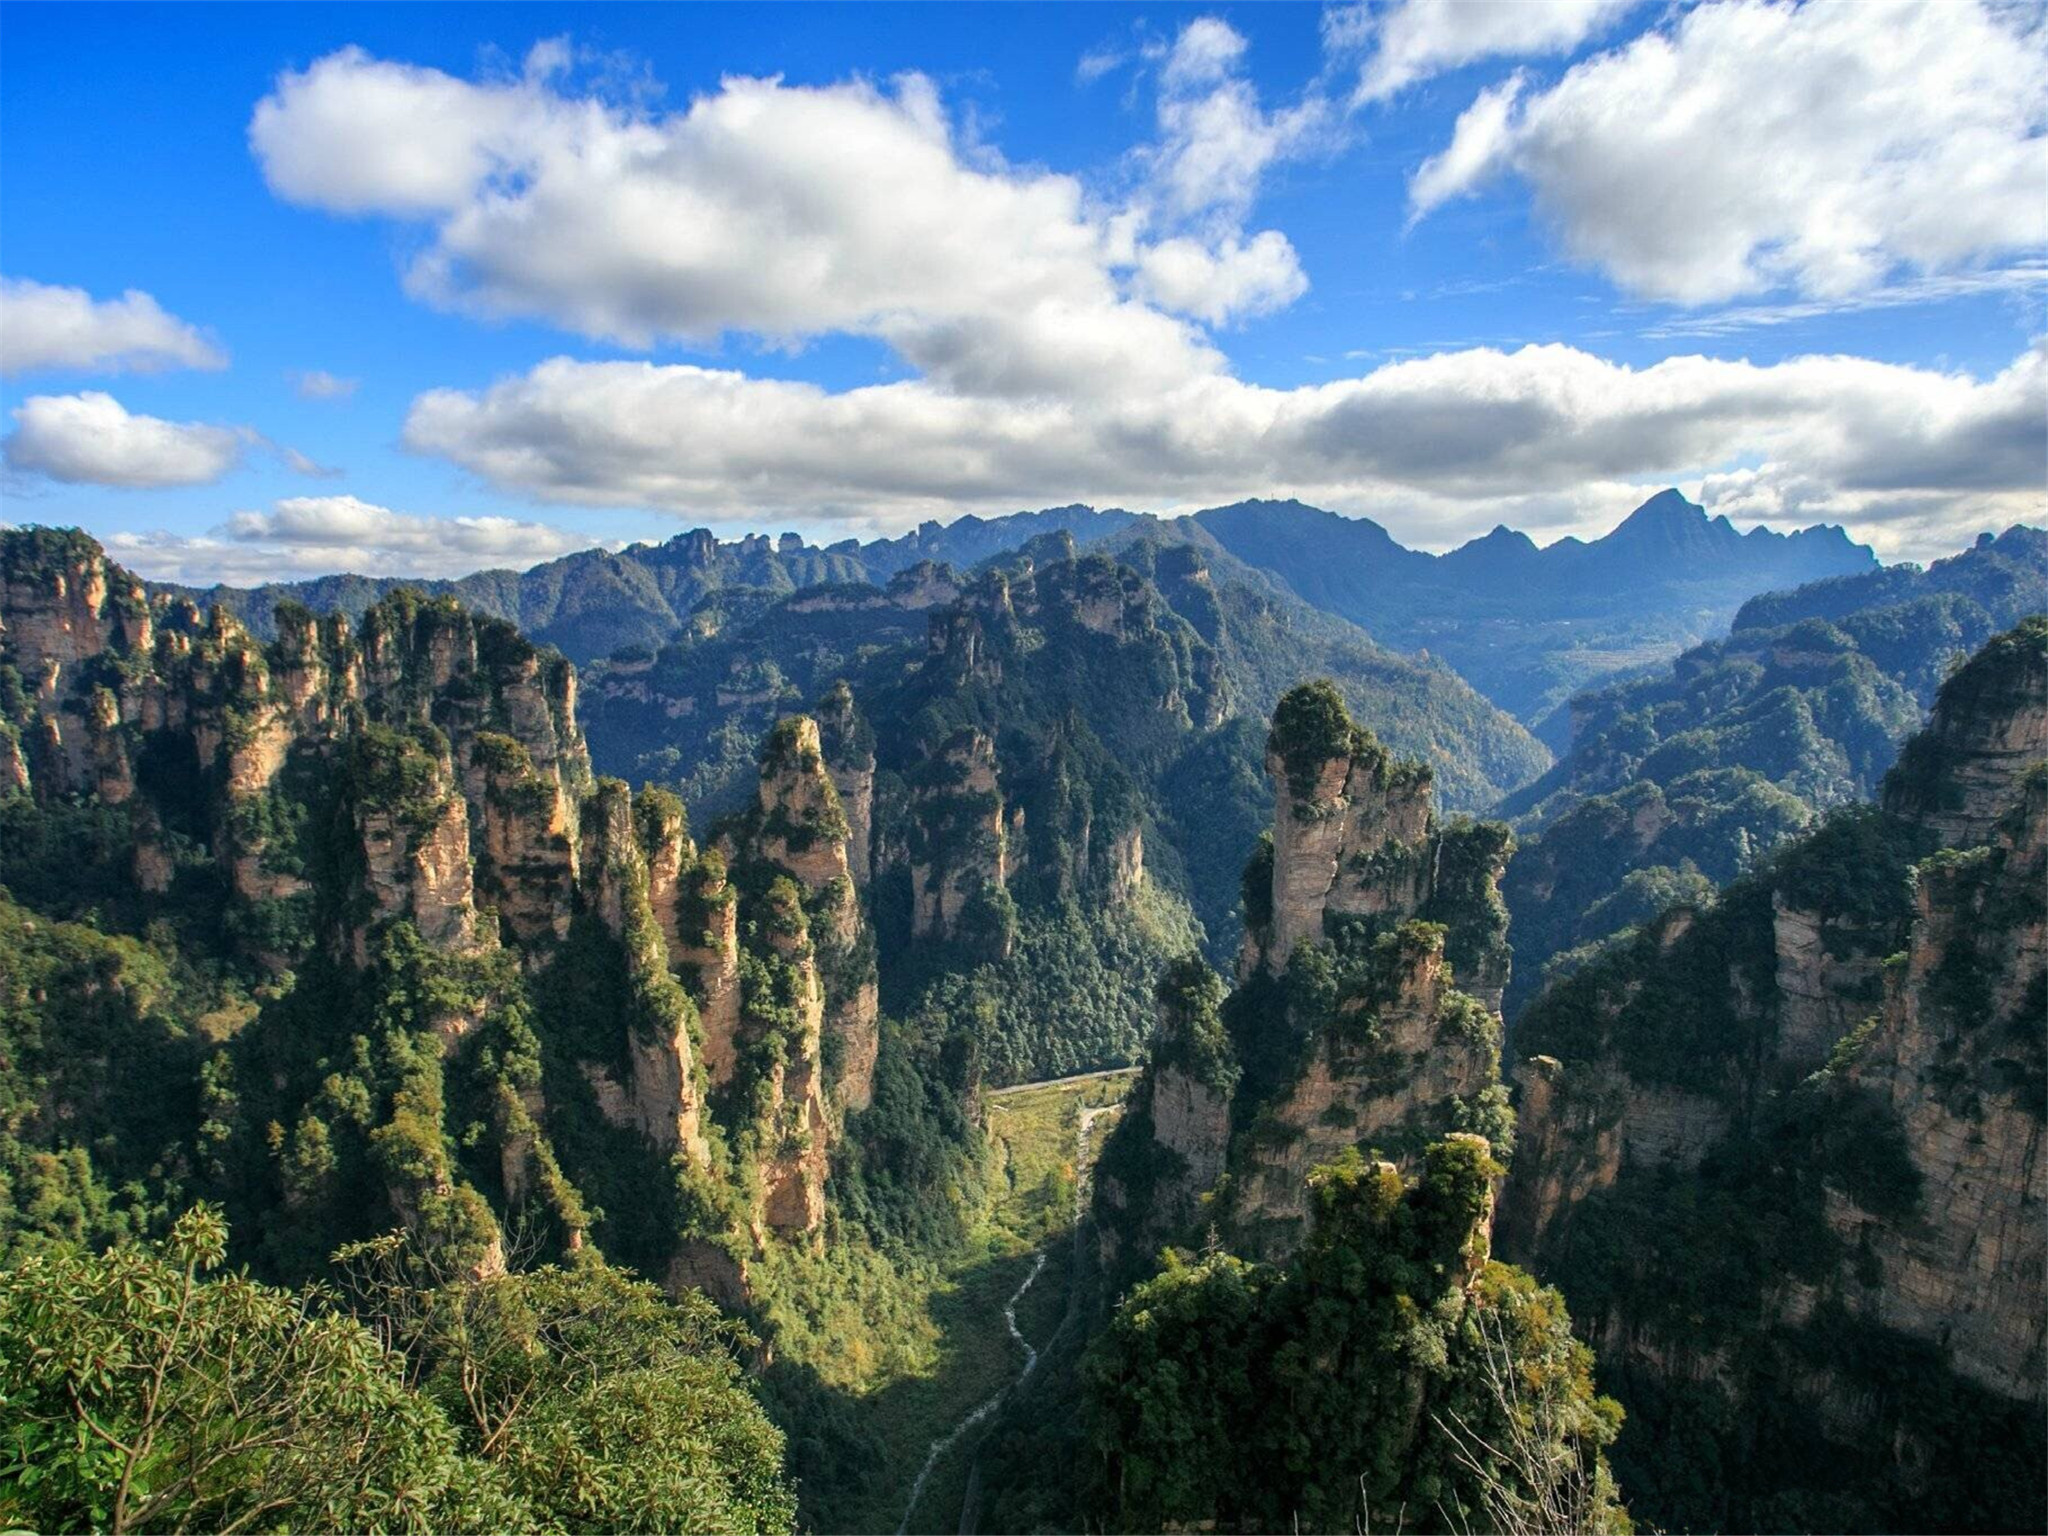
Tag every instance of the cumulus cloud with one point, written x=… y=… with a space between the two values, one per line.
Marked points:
x=780 y=211
x=1058 y=335
x=319 y=384
x=1406 y=41
x=321 y=535
x=1198 y=181
x=44 y=327
x=1433 y=446
x=790 y=212
x=1755 y=145
x=91 y=439
x=1222 y=282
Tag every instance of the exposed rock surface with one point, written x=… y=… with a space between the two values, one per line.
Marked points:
x=849 y=750
x=423 y=765
x=1401 y=1058
x=1864 y=1052
x=1356 y=842
x=1354 y=837
x=664 y=1096
x=1364 y=1032
x=960 y=845
x=1956 y=1053
x=1989 y=726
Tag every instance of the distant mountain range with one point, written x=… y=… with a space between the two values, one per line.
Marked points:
x=1526 y=626
x=1530 y=626
x=1678 y=780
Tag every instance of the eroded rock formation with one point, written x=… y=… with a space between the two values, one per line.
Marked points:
x=1842 y=1054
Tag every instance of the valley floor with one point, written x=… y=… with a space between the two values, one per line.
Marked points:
x=1043 y=1152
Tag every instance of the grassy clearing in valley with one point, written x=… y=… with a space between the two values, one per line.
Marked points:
x=1034 y=1132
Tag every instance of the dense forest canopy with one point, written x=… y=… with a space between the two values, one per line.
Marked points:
x=401 y=1114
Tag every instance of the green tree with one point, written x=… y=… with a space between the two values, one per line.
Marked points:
x=599 y=1403
x=134 y=1395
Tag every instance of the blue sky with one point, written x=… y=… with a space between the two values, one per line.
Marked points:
x=599 y=273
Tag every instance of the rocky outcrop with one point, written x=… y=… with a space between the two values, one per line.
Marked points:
x=705 y=945
x=1578 y=1127
x=793 y=1122
x=849 y=750
x=526 y=861
x=1383 y=1050
x=424 y=766
x=1351 y=835
x=1956 y=1055
x=1191 y=1119
x=1989 y=727
x=1848 y=1043
x=663 y=1096
x=801 y=828
x=959 y=845
x=63 y=605
x=1404 y=1057
x=1827 y=978
x=1169 y=1150
x=1355 y=840
x=415 y=852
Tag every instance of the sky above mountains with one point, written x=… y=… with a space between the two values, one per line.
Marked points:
x=422 y=289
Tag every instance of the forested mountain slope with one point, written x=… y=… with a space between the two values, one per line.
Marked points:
x=341 y=934
x=1337 y=1118
x=1146 y=677
x=1678 y=782
x=1525 y=626
x=1528 y=626
x=1783 y=1152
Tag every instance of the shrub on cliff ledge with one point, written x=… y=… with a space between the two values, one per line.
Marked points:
x=1310 y=727
x=1348 y=1388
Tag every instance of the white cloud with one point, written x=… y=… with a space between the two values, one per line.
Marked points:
x=91 y=439
x=1432 y=446
x=1478 y=148
x=781 y=211
x=790 y=212
x=322 y=535
x=1406 y=41
x=2023 y=280
x=1097 y=62
x=1755 y=145
x=319 y=384
x=1216 y=140
x=1057 y=336
x=43 y=327
x=1221 y=283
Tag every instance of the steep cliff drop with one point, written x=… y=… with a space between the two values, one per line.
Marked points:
x=1825 y=1096
x=1365 y=1013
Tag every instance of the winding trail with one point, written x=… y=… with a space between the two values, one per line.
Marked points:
x=946 y=1442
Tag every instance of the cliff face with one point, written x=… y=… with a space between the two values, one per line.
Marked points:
x=413 y=790
x=1990 y=724
x=800 y=827
x=1355 y=840
x=959 y=842
x=1850 y=1040
x=1956 y=1054
x=1349 y=837
x=1404 y=1060
x=849 y=750
x=663 y=1095
x=1348 y=1028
